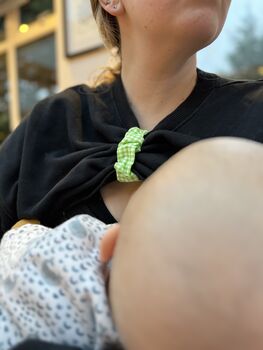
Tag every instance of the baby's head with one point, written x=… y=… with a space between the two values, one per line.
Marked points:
x=188 y=265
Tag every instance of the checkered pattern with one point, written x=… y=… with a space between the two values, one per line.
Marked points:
x=129 y=145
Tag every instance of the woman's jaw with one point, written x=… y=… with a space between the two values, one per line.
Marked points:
x=159 y=42
x=152 y=30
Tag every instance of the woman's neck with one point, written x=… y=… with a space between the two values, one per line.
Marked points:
x=156 y=89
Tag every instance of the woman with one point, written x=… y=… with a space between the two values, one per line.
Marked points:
x=61 y=160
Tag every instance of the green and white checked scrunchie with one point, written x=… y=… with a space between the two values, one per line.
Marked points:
x=129 y=145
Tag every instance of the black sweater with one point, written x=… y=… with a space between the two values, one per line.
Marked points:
x=54 y=164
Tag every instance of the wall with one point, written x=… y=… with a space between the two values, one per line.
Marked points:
x=70 y=71
x=76 y=70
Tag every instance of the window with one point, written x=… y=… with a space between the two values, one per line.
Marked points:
x=2 y=28
x=36 y=72
x=35 y=8
x=4 y=115
x=238 y=52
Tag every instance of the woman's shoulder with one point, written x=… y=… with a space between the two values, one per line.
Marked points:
x=224 y=84
x=66 y=100
x=71 y=98
x=229 y=95
x=72 y=108
x=59 y=119
x=233 y=107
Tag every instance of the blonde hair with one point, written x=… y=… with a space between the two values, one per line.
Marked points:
x=110 y=32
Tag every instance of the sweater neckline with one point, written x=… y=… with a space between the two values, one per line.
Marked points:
x=205 y=83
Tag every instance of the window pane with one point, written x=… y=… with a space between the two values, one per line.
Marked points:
x=2 y=28
x=238 y=52
x=4 y=116
x=37 y=73
x=35 y=8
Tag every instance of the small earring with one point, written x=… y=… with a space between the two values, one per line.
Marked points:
x=115 y=7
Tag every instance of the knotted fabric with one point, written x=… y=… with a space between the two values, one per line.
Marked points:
x=126 y=151
x=65 y=151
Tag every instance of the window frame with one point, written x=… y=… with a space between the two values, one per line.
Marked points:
x=39 y=29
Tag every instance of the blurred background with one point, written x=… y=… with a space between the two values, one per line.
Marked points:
x=48 y=45
x=238 y=51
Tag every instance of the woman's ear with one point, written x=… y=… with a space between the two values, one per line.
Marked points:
x=113 y=7
x=108 y=243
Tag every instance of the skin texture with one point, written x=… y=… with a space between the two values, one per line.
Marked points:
x=116 y=196
x=159 y=41
x=188 y=266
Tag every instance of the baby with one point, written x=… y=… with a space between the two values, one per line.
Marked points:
x=187 y=270
x=52 y=285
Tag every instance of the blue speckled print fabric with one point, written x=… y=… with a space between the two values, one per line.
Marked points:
x=52 y=285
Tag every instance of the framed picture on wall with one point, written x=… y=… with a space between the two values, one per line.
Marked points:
x=80 y=29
